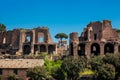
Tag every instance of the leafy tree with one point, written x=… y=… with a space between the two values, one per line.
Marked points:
x=59 y=74
x=2 y=27
x=52 y=67
x=117 y=30
x=106 y=72
x=95 y=62
x=71 y=67
x=113 y=59
x=107 y=67
x=37 y=73
x=61 y=36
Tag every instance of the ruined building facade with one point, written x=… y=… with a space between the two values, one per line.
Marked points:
x=97 y=39
x=26 y=41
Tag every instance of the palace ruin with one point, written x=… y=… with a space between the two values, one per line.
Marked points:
x=97 y=39
x=26 y=41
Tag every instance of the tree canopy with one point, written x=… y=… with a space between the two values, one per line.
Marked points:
x=61 y=36
x=71 y=68
x=2 y=27
x=37 y=73
x=118 y=30
x=106 y=72
x=107 y=67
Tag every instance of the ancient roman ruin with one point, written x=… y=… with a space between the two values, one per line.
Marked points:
x=26 y=41
x=98 y=38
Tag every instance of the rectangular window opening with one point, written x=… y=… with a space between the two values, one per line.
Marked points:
x=95 y=36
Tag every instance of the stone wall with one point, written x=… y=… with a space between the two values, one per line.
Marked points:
x=23 y=40
x=97 y=39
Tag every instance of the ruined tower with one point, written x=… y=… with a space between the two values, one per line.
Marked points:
x=74 y=41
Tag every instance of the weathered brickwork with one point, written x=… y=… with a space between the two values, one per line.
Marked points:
x=97 y=39
x=23 y=41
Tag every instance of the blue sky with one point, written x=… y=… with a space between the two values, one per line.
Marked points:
x=59 y=15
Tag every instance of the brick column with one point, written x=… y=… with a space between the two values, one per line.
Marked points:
x=75 y=49
x=87 y=50
x=33 y=41
x=56 y=48
x=46 y=49
x=102 y=44
x=116 y=46
x=22 y=39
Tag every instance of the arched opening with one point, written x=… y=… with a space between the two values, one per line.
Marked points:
x=71 y=50
x=41 y=37
x=51 y=49
x=119 y=49
x=28 y=39
x=109 y=48
x=95 y=36
x=35 y=48
x=86 y=35
x=42 y=48
x=26 y=49
x=95 y=49
x=81 y=49
x=41 y=40
x=1 y=47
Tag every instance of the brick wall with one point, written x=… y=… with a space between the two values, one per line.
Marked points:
x=21 y=73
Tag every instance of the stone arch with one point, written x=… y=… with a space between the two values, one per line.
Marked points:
x=119 y=48
x=26 y=49
x=51 y=48
x=81 y=49
x=36 y=48
x=42 y=48
x=1 y=47
x=95 y=49
x=109 y=48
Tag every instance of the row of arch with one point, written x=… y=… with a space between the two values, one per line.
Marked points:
x=95 y=48
x=108 y=48
x=39 y=48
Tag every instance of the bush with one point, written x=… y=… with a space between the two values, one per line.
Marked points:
x=106 y=72
x=37 y=73
x=71 y=67
x=95 y=62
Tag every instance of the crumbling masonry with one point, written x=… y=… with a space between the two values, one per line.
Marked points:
x=24 y=41
x=97 y=39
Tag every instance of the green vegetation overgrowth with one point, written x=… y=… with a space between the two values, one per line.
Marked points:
x=73 y=68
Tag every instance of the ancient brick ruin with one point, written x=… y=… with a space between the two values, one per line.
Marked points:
x=97 y=39
x=25 y=41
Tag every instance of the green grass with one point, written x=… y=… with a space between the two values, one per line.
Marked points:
x=87 y=72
